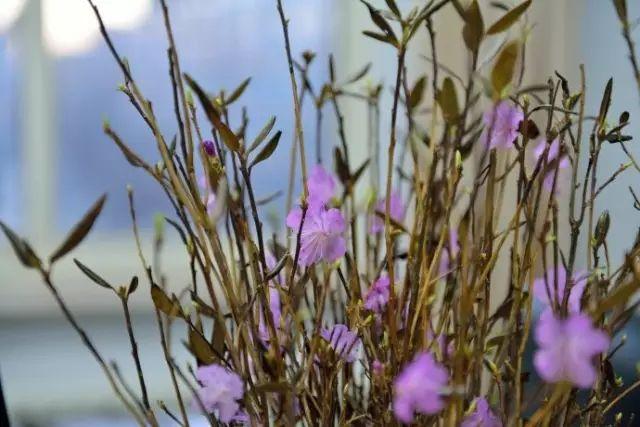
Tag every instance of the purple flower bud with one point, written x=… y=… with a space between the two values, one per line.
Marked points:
x=209 y=147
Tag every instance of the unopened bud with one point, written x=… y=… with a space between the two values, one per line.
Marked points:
x=602 y=228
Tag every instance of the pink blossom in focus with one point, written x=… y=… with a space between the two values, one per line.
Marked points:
x=321 y=237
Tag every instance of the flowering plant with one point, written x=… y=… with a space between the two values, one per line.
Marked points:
x=386 y=308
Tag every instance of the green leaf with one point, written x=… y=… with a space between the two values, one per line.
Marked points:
x=95 y=277
x=380 y=37
x=509 y=18
x=448 y=100
x=263 y=134
x=621 y=9
x=229 y=138
x=393 y=7
x=415 y=96
x=380 y=22
x=237 y=92
x=473 y=29
x=23 y=250
x=79 y=231
x=605 y=103
x=360 y=74
x=503 y=69
x=268 y=149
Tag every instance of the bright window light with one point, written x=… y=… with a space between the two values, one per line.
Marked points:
x=70 y=27
x=9 y=12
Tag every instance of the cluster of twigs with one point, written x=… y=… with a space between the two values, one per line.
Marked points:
x=454 y=184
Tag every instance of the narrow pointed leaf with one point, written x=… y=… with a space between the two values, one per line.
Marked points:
x=509 y=18
x=448 y=101
x=79 y=231
x=473 y=29
x=360 y=74
x=237 y=92
x=503 y=69
x=263 y=134
x=95 y=277
x=229 y=138
x=200 y=348
x=163 y=303
x=22 y=249
x=268 y=149
x=393 y=7
x=416 y=94
x=605 y=103
x=380 y=37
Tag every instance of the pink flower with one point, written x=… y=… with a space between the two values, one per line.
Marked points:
x=220 y=392
x=209 y=147
x=396 y=210
x=321 y=237
x=501 y=125
x=567 y=348
x=579 y=283
x=321 y=186
x=344 y=342
x=210 y=196
x=552 y=158
x=377 y=296
x=418 y=388
x=482 y=416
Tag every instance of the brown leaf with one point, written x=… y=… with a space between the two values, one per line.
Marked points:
x=380 y=22
x=268 y=149
x=22 y=249
x=509 y=18
x=79 y=231
x=342 y=170
x=448 y=100
x=503 y=69
x=201 y=349
x=228 y=137
x=237 y=92
x=621 y=9
x=95 y=277
x=163 y=303
x=263 y=134
x=380 y=37
x=473 y=29
x=416 y=94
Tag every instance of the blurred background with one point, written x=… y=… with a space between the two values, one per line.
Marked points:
x=58 y=83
